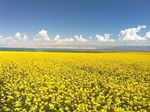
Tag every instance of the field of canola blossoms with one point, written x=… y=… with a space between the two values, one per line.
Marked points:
x=74 y=82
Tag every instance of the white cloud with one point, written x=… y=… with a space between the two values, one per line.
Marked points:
x=25 y=37
x=77 y=38
x=1 y=39
x=126 y=37
x=42 y=35
x=147 y=35
x=104 y=38
x=18 y=36
x=130 y=34
x=59 y=40
x=6 y=39
x=80 y=38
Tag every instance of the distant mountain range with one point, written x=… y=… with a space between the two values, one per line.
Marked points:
x=129 y=48
x=104 y=49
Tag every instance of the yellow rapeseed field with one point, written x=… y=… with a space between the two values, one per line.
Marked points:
x=74 y=82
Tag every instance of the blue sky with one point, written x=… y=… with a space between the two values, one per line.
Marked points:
x=73 y=17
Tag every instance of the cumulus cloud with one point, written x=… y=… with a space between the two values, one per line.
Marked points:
x=59 y=40
x=76 y=38
x=104 y=38
x=25 y=37
x=130 y=34
x=80 y=38
x=147 y=35
x=127 y=36
x=42 y=35
x=20 y=37
x=19 y=40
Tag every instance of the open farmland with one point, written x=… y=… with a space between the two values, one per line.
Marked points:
x=79 y=82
